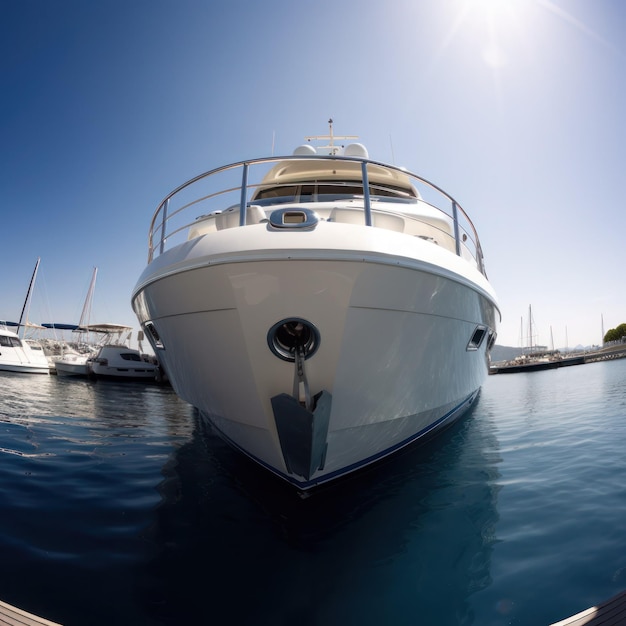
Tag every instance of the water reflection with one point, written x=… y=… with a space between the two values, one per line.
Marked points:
x=119 y=491
x=409 y=541
x=79 y=466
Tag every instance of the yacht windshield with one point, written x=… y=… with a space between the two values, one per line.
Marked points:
x=327 y=191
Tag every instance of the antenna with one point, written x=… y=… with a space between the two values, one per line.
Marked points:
x=393 y=156
x=331 y=139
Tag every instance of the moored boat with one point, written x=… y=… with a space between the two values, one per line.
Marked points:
x=109 y=359
x=72 y=363
x=19 y=355
x=323 y=312
x=118 y=362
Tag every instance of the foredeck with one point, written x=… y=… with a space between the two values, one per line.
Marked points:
x=609 y=613
x=360 y=191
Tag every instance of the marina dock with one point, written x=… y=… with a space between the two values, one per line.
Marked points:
x=606 y=354
x=12 y=616
x=609 y=613
x=603 y=354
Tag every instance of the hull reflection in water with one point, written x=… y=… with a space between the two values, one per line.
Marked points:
x=412 y=536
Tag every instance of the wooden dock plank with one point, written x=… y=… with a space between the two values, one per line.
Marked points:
x=609 y=613
x=12 y=616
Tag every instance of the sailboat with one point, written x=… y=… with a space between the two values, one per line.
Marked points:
x=17 y=354
x=535 y=358
x=108 y=357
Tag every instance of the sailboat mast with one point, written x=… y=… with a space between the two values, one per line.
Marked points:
x=26 y=306
x=86 y=313
x=602 y=327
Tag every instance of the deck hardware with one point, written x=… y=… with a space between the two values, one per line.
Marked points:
x=295 y=217
x=287 y=336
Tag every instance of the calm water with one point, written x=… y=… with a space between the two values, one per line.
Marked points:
x=117 y=507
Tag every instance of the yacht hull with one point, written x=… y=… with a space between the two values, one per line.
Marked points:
x=118 y=362
x=17 y=355
x=393 y=360
x=72 y=367
x=24 y=369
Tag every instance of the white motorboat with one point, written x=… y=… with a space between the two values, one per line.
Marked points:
x=72 y=363
x=19 y=355
x=323 y=312
x=108 y=359
x=119 y=362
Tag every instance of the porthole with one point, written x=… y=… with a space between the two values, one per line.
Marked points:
x=477 y=338
x=153 y=336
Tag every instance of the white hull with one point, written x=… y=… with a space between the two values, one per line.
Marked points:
x=17 y=355
x=393 y=351
x=72 y=367
x=321 y=329
x=115 y=373
x=24 y=369
x=112 y=361
x=118 y=362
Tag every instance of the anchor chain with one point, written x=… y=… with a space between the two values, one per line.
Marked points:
x=300 y=383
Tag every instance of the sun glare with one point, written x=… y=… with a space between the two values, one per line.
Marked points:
x=493 y=23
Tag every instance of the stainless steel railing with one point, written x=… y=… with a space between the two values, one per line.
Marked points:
x=233 y=184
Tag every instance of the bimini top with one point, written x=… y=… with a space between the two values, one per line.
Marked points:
x=104 y=328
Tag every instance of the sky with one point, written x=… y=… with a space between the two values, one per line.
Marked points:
x=514 y=107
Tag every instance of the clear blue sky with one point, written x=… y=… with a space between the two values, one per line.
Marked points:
x=515 y=107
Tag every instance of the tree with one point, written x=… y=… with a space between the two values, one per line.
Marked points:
x=615 y=334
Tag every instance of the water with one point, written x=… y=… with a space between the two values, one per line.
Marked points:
x=118 y=507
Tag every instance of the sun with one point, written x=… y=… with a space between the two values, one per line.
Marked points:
x=495 y=22
x=495 y=7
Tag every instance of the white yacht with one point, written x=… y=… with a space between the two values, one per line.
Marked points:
x=19 y=355
x=72 y=363
x=109 y=359
x=321 y=310
x=117 y=362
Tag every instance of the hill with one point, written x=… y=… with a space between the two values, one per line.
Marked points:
x=504 y=353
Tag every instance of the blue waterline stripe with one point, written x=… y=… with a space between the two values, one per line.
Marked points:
x=355 y=466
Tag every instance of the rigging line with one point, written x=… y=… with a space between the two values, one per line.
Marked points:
x=26 y=305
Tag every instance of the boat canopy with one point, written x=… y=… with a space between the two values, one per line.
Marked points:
x=56 y=326
x=24 y=325
x=104 y=328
